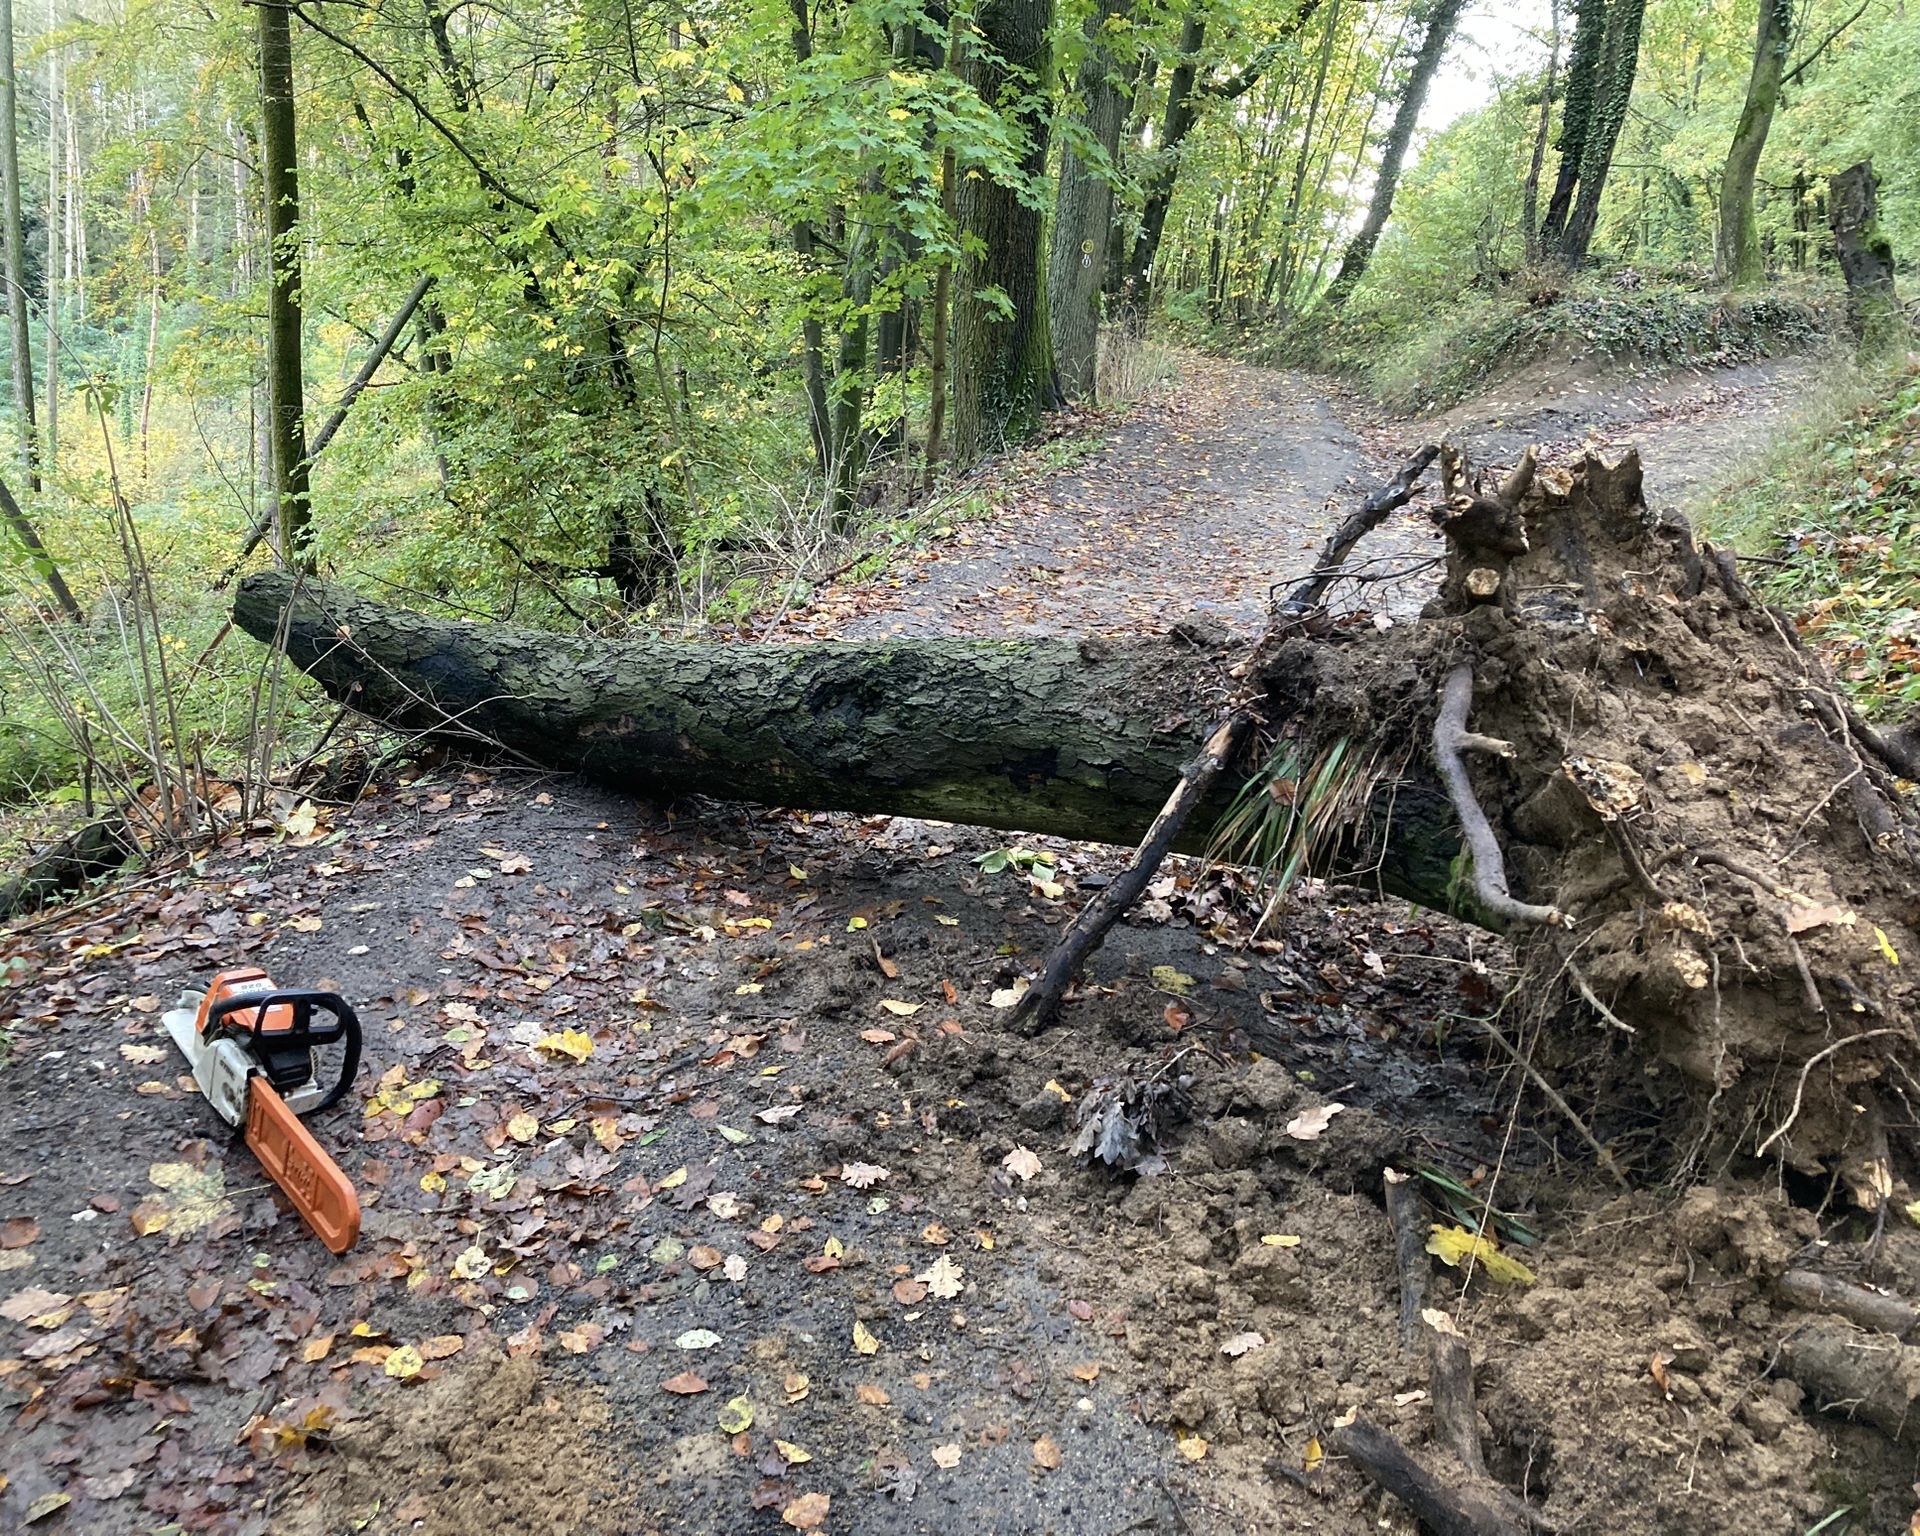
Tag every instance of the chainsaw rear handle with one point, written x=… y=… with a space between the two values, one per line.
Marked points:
x=286 y=1054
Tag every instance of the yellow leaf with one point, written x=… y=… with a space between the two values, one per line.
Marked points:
x=863 y=1339
x=736 y=1416
x=1886 y=946
x=404 y=1363
x=1315 y=1457
x=1168 y=979
x=317 y=1349
x=855 y=924
x=1455 y=1245
x=790 y=1453
x=1280 y=1240
x=472 y=1264
x=893 y=1005
x=1192 y=1447
x=523 y=1127
x=569 y=1042
x=1058 y=1092
x=434 y=1183
x=796 y=871
x=833 y=1248
x=673 y=1180
x=899 y=114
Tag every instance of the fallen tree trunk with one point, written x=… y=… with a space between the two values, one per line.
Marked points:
x=1704 y=858
x=1079 y=739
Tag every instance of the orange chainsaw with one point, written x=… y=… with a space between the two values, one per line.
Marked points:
x=256 y=1052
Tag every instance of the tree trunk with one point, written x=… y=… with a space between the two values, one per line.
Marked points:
x=1866 y=260
x=1530 y=196
x=1583 y=82
x=1182 y=112
x=1426 y=63
x=1083 y=211
x=1737 y=251
x=1613 y=91
x=280 y=179
x=1662 y=798
x=56 y=103
x=1003 y=374
x=20 y=330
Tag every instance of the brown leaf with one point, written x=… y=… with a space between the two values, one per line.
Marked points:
x=909 y=1293
x=18 y=1231
x=872 y=1396
x=441 y=1345
x=808 y=1512
x=684 y=1385
x=1046 y=1453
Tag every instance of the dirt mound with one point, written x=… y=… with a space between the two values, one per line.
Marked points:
x=497 y=1446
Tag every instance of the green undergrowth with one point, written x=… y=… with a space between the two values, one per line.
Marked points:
x=1421 y=363
x=1830 y=526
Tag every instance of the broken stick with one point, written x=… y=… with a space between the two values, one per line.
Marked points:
x=1441 y=1508
x=1408 y=1214
x=1084 y=935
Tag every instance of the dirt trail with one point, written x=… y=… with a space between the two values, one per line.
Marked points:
x=1200 y=503
x=793 y=1157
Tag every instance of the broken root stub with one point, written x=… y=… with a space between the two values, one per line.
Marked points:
x=1663 y=729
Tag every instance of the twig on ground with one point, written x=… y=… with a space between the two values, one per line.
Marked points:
x=1443 y=1510
x=1593 y=1000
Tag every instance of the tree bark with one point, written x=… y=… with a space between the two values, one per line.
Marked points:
x=280 y=179
x=1866 y=260
x=16 y=253
x=1612 y=93
x=1530 y=195
x=1737 y=250
x=1003 y=375
x=1181 y=113
x=1426 y=63
x=1083 y=211
x=1583 y=83
x=1069 y=738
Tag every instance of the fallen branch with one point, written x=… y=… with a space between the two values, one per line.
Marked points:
x=1450 y=737
x=1091 y=925
x=1806 y=1071
x=1456 y=1422
x=1856 y=1375
x=1408 y=1214
x=1553 y=1097
x=1828 y=1293
x=98 y=848
x=1443 y=1509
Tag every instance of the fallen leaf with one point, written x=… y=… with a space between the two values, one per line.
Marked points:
x=735 y=1269
x=893 y=1005
x=1167 y=979
x=686 y=1384
x=862 y=1175
x=1455 y=1245
x=1315 y=1457
x=18 y=1231
x=909 y=1293
x=1309 y=1124
x=872 y=1396
x=46 y=1504
x=1046 y=1453
x=1006 y=997
x=1022 y=1162
x=796 y=1385
x=144 y=1055
x=790 y=1453
x=697 y=1338
x=32 y=1302
x=1192 y=1447
x=1088 y=1371
x=1242 y=1343
x=777 y=1113
x=583 y=1340
x=404 y=1363
x=316 y=1350
x=1657 y=1369
x=569 y=1042
x=808 y=1512
x=523 y=1127
x=1280 y=1240
x=947 y=1455
x=441 y=1346
x=863 y=1339
x=736 y=1415
x=943 y=1278
x=473 y=1264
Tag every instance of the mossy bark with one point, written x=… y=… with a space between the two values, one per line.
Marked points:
x=1866 y=260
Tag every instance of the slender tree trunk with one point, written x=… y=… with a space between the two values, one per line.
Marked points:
x=56 y=100
x=1003 y=374
x=1620 y=60
x=1530 y=197
x=1866 y=261
x=20 y=328
x=1583 y=76
x=813 y=343
x=1083 y=212
x=1296 y=196
x=1182 y=111
x=1426 y=63
x=29 y=536
x=1737 y=251
x=279 y=152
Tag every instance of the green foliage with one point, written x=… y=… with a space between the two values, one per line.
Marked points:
x=1836 y=516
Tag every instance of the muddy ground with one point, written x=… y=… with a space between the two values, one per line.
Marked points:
x=706 y=1190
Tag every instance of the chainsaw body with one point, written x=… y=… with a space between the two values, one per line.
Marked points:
x=253 y=1048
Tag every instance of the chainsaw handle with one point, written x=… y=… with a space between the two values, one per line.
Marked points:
x=302 y=1035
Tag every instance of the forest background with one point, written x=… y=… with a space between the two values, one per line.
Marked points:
x=629 y=317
